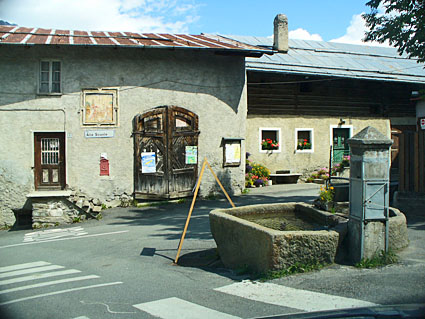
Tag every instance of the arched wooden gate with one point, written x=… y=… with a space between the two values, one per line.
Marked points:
x=168 y=136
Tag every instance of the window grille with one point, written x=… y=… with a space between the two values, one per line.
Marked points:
x=50 y=151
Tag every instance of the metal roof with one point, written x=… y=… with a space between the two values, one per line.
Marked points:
x=336 y=59
x=16 y=35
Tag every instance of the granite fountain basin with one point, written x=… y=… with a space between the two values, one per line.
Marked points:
x=302 y=234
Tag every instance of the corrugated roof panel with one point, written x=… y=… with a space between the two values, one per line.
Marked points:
x=120 y=38
x=25 y=36
x=337 y=59
x=82 y=37
x=60 y=37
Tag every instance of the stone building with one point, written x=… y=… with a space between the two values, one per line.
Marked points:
x=323 y=93
x=103 y=116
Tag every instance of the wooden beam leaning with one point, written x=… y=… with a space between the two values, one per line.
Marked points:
x=198 y=184
x=221 y=186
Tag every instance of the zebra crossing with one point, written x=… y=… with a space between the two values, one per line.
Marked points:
x=20 y=282
x=52 y=234
x=27 y=281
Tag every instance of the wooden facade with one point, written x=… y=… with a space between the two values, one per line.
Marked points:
x=275 y=93
x=412 y=162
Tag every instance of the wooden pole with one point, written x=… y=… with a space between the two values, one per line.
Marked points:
x=218 y=181
x=190 y=211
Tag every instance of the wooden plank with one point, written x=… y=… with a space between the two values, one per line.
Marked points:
x=416 y=162
x=190 y=211
x=421 y=160
x=402 y=156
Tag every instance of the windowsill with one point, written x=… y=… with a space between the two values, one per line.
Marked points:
x=270 y=151
x=49 y=94
x=304 y=151
x=49 y=193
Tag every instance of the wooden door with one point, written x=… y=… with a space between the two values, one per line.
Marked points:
x=339 y=144
x=49 y=160
x=163 y=135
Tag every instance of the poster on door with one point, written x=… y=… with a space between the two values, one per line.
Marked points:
x=148 y=162
x=191 y=154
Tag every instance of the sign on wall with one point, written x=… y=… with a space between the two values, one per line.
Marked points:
x=98 y=133
x=422 y=123
x=148 y=162
x=231 y=151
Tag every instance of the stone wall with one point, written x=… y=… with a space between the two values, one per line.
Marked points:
x=12 y=196
x=54 y=211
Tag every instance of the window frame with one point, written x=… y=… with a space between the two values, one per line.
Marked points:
x=115 y=107
x=50 y=77
x=260 y=139
x=304 y=129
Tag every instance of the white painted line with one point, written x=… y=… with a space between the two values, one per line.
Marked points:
x=69 y=238
x=29 y=271
x=39 y=276
x=48 y=283
x=290 y=297
x=172 y=308
x=81 y=317
x=24 y=266
x=59 y=292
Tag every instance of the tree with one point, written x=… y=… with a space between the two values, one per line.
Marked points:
x=402 y=24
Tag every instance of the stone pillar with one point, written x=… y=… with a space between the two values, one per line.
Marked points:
x=369 y=193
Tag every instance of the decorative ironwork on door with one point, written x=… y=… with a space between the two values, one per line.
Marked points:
x=163 y=138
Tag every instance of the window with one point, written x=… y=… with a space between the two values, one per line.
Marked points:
x=269 y=140
x=50 y=77
x=304 y=140
x=100 y=108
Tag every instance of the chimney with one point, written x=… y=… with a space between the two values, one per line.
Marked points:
x=281 y=33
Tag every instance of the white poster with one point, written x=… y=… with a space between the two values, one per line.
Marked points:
x=148 y=162
x=233 y=153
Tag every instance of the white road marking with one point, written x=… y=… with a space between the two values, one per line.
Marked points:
x=54 y=234
x=24 y=266
x=39 y=276
x=171 y=308
x=82 y=317
x=29 y=271
x=59 y=292
x=290 y=297
x=48 y=283
x=68 y=238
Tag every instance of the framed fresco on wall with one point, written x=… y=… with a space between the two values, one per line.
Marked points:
x=100 y=107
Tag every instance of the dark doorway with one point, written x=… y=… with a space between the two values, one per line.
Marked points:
x=339 y=144
x=168 y=137
x=49 y=160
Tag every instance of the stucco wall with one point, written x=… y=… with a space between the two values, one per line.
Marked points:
x=212 y=86
x=288 y=157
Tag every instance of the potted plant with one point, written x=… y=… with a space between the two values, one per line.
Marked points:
x=269 y=144
x=304 y=145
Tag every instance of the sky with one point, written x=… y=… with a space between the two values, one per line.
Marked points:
x=327 y=20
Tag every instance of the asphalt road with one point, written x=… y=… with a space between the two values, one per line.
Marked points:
x=122 y=267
